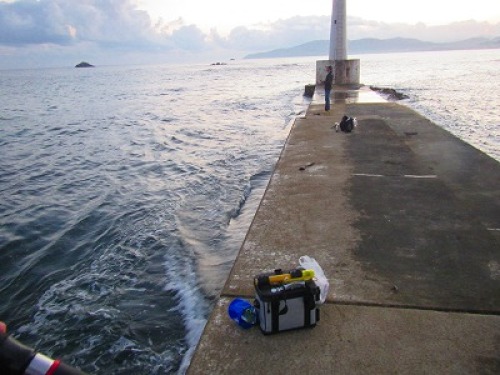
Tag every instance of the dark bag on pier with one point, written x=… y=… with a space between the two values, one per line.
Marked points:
x=347 y=124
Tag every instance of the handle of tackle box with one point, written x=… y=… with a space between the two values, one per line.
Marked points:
x=285 y=278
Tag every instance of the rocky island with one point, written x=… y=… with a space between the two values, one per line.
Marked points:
x=84 y=64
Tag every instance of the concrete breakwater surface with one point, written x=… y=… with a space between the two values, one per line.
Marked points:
x=126 y=192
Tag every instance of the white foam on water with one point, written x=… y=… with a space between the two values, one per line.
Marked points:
x=183 y=281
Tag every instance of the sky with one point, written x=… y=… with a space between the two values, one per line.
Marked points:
x=45 y=33
x=214 y=13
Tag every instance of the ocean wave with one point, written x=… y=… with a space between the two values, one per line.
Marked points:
x=113 y=293
x=182 y=279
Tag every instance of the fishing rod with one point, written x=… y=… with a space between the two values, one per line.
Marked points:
x=18 y=359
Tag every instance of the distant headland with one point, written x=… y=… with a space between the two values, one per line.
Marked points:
x=372 y=45
x=84 y=64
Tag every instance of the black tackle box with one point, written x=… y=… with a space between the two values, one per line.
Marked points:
x=286 y=306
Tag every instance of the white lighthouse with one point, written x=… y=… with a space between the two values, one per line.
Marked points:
x=346 y=72
x=338 y=33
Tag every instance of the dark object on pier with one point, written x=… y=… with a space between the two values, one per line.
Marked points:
x=309 y=91
x=390 y=94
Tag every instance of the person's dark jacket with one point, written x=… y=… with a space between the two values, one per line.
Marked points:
x=328 y=81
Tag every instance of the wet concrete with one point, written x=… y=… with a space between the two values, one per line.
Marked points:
x=403 y=217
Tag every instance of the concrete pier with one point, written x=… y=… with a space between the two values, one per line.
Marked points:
x=404 y=218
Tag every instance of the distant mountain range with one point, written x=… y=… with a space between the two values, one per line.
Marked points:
x=370 y=45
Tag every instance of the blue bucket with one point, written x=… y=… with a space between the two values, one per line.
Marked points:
x=242 y=312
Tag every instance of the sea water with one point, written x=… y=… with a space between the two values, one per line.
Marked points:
x=126 y=191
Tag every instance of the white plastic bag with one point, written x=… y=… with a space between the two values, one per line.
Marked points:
x=309 y=263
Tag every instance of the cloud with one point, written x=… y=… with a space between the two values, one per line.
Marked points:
x=61 y=22
x=31 y=22
x=189 y=38
x=282 y=33
x=360 y=28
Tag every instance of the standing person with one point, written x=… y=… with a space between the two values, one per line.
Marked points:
x=328 y=87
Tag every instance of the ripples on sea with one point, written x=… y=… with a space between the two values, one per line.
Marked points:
x=124 y=195
x=126 y=192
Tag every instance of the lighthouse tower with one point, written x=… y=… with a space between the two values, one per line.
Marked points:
x=346 y=72
x=338 y=32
